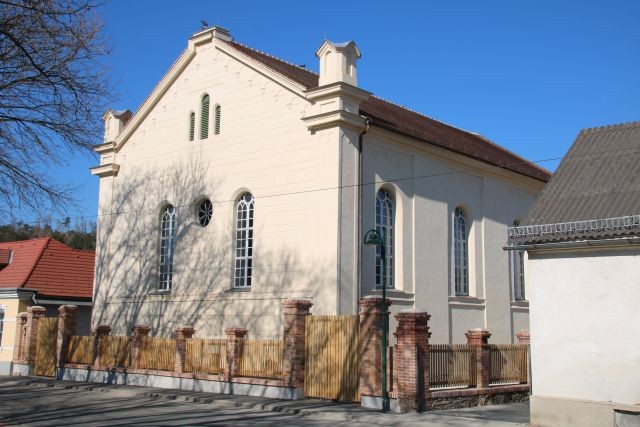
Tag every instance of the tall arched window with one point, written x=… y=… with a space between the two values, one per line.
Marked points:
x=167 y=247
x=461 y=252
x=518 y=272
x=244 y=241
x=216 y=127
x=384 y=226
x=192 y=125
x=204 y=117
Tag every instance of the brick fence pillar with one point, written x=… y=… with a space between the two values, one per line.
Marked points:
x=411 y=365
x=21 y=333
x=370 y=345
x=234 y=351
x=182 y=335
x=139 y=331
x=479 y=339
x=100 y=333
x=34 y=314
x=524 y=337
x=295 y=312
x=66 y=328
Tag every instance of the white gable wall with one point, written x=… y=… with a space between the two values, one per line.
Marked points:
x=263 y=148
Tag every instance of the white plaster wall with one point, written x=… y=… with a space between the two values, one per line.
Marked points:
x=427 y=187
x=263 y=148
x=584 y=325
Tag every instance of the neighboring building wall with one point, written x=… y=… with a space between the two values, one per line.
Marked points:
x=263 y=148
x=584 y=328
x=12 y=307
x=424 y=235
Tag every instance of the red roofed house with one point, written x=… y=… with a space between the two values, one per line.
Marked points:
x=41 y=272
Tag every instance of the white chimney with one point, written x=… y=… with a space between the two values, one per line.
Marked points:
x=338 y=63
x=114 y=122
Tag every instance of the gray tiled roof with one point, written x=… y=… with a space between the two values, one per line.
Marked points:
x=598 y=179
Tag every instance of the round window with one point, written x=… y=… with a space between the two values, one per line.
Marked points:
x=205 y=211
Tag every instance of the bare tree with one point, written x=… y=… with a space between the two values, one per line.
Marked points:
x=52 y=92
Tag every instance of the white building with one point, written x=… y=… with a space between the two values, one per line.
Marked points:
x=243 y=180
x=582 y=239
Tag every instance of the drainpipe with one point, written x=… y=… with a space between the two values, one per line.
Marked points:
x=367 y=125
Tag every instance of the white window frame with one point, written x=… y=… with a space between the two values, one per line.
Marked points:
x=519 y=292
x=243 y=255
x=167 y=248
x=461 y=252
x=384 y=226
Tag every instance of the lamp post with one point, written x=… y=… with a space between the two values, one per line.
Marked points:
x=374 y=238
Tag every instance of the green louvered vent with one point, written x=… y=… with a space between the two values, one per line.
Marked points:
x=192 y=125
x=204 y=124
x=216 y=130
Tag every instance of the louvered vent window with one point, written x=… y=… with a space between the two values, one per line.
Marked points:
x=204 y=120
x=216 y=129
x=192 y=125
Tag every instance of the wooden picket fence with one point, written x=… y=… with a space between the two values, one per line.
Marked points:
x=331 y=358
x=81 y=350
x=158 y=353
x=45 y=363
x=206 y=356
x=117 y=351
x=452 y=365
x=508 y=363
x=260 y=358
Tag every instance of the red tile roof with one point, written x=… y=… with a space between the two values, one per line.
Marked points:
x=402 y=120
x=50 y=267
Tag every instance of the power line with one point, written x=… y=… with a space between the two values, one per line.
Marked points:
x=347 y=186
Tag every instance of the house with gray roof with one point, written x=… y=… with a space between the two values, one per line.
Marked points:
x=582 y=239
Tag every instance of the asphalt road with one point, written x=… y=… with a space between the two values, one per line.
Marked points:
x=32 y=403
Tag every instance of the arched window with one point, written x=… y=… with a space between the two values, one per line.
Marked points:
x=192 y=125
x=384 y=226
x=518 y=272
x=461 y=252
x=244 y=241
x=216 y=128
x=167 y=247
x=204 y=118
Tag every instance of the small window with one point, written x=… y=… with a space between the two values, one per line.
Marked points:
x=205 y=212
x=461 y=252
x=384 y=226
x=244 y=242
x=167 y=248
x=204 y=119
x=216 y=129
x=192 y=125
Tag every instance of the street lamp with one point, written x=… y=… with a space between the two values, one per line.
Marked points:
x=375 y=238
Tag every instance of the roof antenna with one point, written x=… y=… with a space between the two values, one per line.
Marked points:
x=204 y=24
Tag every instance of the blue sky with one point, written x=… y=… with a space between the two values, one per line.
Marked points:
x=526 y=74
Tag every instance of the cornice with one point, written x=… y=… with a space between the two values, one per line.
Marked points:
x=337 y=89
x=110 y=169
x=334 y=118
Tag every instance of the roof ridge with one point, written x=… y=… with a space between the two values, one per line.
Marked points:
x=611 y=127
x=274 y=57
